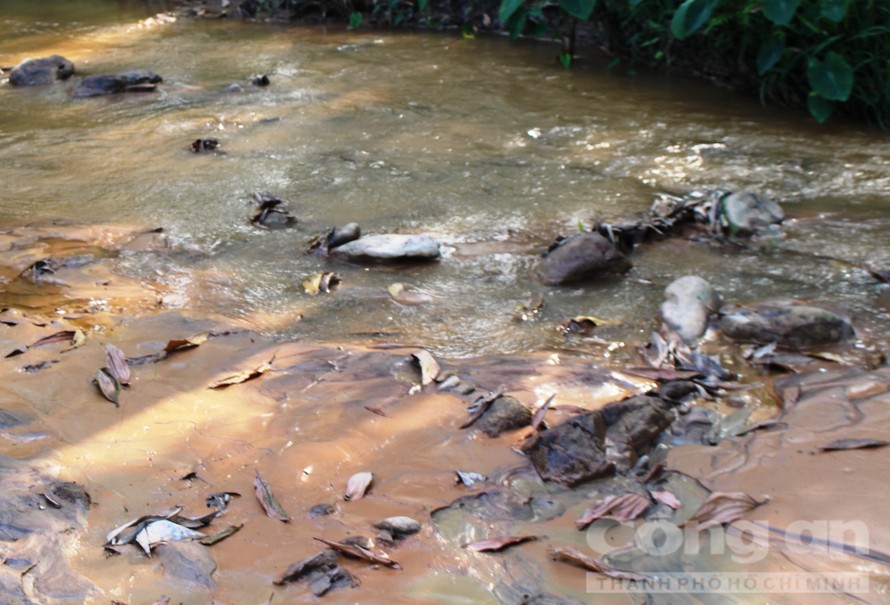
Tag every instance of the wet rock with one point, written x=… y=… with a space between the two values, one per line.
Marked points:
x=795 y=326
x=399 y=526
x=129 y=81
x=46 y=70
x=343 y=235
x=746 y=213
x=261 y=80
x=572 y=452
x=390 y=247
x=188 y=562
x=698 y=426
x=505 y=414
x=313 y=566
x=633 y=425
x=322 y=510
x=209 y=144
x=329 y=580
x=581 y=257
x=689 y=303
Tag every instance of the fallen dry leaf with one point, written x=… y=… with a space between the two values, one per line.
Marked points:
x=221 y=535
x=242 y=376
x=722 y=508
x=63 y=336
x=429 y=367
x=481 y=405
x=661 y=373
x=108 y=386
x=360 y=552
x=667 y=498
x=496 y=544
x=116 y=362
x=358 y=485
x=854 y=444
x=541 y=412
x=183 y=344
x=621 y=508
x=570 y=555
x=267 y=500
x=321 y=282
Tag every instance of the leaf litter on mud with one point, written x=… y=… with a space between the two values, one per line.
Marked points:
x=267 y=500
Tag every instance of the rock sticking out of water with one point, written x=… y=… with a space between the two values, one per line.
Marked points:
x=36 y=72
x=580 y=257
x=399 y=526
x=689 y=303
x=746 y=213
x=795 y=326
x=140 y=80
x=505 y=414
x=390 y=248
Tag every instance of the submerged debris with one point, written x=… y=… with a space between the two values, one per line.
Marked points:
x=496 y=544
x=358 y=485
x=271 y=213
x=267 y=500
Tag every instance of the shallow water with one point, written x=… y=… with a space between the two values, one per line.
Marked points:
x=472 y=141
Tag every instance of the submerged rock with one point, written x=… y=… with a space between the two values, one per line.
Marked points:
x=505 y=414
x=795 y=326
x=746 y=213
x=390 y=247
x=399 y=526
x=130 y=81
x=580 y=257
x=188 y=562
x=36 y=72
x=689 y=303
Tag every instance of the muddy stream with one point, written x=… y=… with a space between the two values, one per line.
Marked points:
x=113 y=231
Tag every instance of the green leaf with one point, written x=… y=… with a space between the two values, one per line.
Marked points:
x=355 y=20
x=508 y=8
x=690 y=16
x=820 y=108
x=832 y=78
x=780 y=12
x=565 y=59
x=769 y=55
x=516 y=24
x=580 y=9
x=635 y=3
x=834 y=10
x=421 y=5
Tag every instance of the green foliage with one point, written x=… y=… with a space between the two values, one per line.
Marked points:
x=832 y=78
x=355 y=20
x=690 y=16
x=780 y=12
x=580 y=9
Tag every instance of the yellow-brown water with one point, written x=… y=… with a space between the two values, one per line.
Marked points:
x=485 y=144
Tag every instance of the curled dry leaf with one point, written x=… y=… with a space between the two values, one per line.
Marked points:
x=63 y=336
x=854 y=444
x=267 y=500
x=173 y=346
x=221 y=535
x=321 y=282
x=481 y=405
x=667 y=498
x=722 y=508
x=429 y=367
x=357 y=551
x=358 y=485
x=541 y=412
x=164 y=530
x=622 y=508
x=108 y=386
x=575 y=557
x=116 y=362
x=496 y=544
x=242 y=376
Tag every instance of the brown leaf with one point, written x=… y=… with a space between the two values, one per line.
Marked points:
x=429 y=367
x=360 y=552
x=183 y=344
x=108 y=386
x=267 y=500
x=667 y=498
x=221 y=535
x=570 y=555
x=723 y=508
x=242 y=376
x=854 y=444
x=661 y=373
x=358 y=485
x=496 y=544
x=63 y=336
x=541 y=412
x=622 y=508
x=116 y=362
x=321 y=282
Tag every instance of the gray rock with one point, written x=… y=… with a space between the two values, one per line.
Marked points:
x=343 y=235
x=505 y=414
x=46 y=70
x=581 y=257
x=689 y=303
x=746 y=213
x=188 y=562
x=390 y=247
x=794 y=326
x=572 y=452
x=130 y=81
x=399 y=526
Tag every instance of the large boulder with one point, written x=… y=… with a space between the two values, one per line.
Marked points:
x=689 y=303
x=746 y=213
x=139 y=80
x=795 y=326
x=390 y=248
x=581 y=257
x=36 y=72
